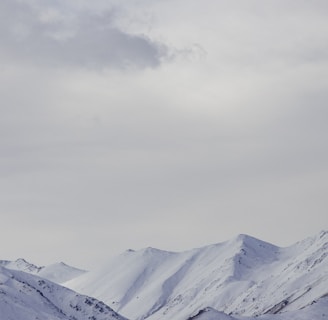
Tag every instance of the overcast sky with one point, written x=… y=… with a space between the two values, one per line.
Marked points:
x=171 y=124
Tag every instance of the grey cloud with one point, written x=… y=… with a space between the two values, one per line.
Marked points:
x=188 y=150
x=32 y=34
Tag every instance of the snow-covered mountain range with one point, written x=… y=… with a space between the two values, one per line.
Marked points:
x=57 y=272
x=241 y=277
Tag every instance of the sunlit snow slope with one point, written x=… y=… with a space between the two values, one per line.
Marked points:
x=243 y=276
x=25 y=296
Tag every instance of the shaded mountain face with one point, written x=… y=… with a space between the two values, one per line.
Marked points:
x=243 y=276
x=25 y=296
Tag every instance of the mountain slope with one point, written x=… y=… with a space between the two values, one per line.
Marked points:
x=316 y=311
x=243 y=276
x=27 y=297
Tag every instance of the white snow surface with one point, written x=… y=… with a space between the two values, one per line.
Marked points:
x=241 y=277
x=57 y=272
x=25 y=296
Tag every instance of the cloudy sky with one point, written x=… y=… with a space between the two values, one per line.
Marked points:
x=171 y=124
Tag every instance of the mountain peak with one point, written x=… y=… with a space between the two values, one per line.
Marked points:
x=23 y=265
x=154 y=251
x=248 y=242
x=243 y=239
